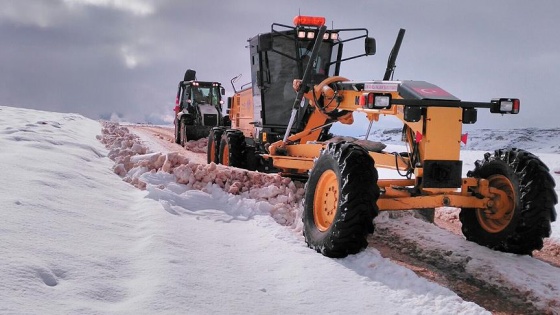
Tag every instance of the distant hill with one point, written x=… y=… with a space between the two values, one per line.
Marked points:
x=531 y=139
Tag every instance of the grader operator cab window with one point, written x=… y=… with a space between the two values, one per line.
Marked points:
x=284 y=61
x=282 y=55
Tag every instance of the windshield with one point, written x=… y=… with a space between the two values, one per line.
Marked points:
x=281 y=70
x=320 y=65
x=205 y=95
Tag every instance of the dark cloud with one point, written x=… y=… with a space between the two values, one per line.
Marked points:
x=103 y=57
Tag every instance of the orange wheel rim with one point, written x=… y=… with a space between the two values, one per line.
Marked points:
x=212 y=151
x=496 y=218
x=325 y=201
x=225 y=157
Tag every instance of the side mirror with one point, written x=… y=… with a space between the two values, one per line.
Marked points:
x=370 y=46
x=223 y=90
x=265 y=42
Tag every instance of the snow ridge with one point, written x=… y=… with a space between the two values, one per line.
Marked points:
x=133 y=162
x=530 y=139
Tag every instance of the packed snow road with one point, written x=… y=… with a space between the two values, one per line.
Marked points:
x=500 y=282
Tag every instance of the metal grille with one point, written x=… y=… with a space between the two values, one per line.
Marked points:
x=210 y=120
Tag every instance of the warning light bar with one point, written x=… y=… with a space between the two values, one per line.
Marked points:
x=505 y=106
x=302 y=20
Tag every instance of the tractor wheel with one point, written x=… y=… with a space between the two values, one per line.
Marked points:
x=340 y=200
x=232 y=147
x=177 y=131
x=213 y=149
x=520 y=220
x=183 y=133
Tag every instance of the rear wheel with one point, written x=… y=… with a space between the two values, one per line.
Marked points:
x=523 y=205
x=340 y=200
x=213 y=149
x=177 y=131
x=183 y=133
x=232 y=147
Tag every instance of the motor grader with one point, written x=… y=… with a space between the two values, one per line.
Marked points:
x=281 y=124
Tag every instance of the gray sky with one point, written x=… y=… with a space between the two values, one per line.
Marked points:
x=98 y=57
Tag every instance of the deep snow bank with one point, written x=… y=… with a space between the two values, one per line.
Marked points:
x=132 y=160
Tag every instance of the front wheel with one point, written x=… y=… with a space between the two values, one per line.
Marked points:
x=177 y=131
x=182 y=133
x=523 y=203
x=340 y=200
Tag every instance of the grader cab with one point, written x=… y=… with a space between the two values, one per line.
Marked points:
x=507 y=201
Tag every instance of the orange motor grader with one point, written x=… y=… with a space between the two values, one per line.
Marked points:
x=281 y=122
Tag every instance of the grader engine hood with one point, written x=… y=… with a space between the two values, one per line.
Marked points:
x=209 y=115
x=422 y=90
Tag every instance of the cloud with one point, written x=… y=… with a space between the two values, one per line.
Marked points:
x=130 y=58
x=33 y=12
x=137 y=7
x=96 y=57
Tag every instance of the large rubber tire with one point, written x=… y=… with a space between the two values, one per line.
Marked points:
x=183 y=133
x=232 y=148
x=213 y=149
x=340 y=200
x=177 y=132
x=530 y=203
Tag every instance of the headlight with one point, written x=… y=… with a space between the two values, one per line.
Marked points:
x=505 y=106
x=376 y=101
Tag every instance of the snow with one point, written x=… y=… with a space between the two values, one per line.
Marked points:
x=79 y=238
x=531 y=139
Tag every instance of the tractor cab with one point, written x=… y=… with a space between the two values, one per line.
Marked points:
x=198 y=108
x=279 y=57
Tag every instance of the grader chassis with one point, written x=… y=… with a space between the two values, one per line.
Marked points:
x=507 y=201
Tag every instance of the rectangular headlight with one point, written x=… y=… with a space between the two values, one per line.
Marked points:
x=505 y=106
x=382 y=101
x=378 y=101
